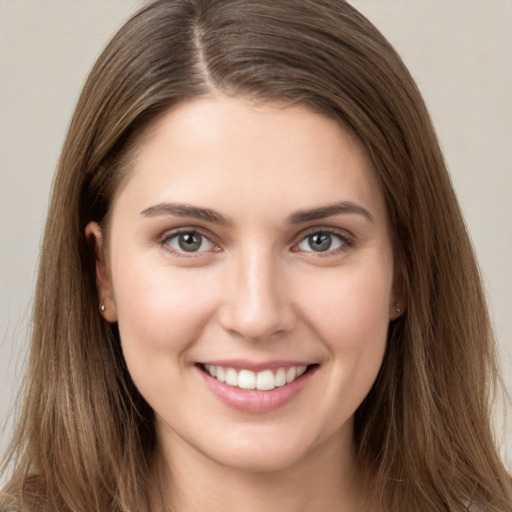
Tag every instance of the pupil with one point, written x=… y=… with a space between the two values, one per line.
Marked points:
x=189 y=242
x=320 y=242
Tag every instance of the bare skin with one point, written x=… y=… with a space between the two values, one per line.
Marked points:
x=299 y=488
x=250 y=239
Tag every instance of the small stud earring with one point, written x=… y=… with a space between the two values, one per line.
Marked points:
x=398 y=309
x=102 y=308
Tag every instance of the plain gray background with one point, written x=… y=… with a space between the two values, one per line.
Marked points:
x=460 y=52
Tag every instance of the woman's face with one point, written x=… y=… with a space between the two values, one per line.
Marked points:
x=250 y=244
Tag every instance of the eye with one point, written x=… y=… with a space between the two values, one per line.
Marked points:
x=190 y=241
x=323 y=242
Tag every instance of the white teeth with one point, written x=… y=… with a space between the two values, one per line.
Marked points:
x=265 y=380
x=220 y=374
x=291 y=374
x=231 y=377
x=247 y=379
x=301 y=370
x=280 y=377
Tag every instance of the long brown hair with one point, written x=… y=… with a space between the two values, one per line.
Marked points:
x=423 y=433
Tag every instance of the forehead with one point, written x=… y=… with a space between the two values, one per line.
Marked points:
x=223 y=150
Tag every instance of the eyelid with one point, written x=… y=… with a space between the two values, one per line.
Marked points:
x=347 y=238
x=164 y=238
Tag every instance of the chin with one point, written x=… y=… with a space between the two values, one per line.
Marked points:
x=257 y=449
x=258 y=460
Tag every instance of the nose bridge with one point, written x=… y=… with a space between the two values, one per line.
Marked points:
x=257 y=305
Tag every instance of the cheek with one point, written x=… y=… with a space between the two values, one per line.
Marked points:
x=351 y=309
x=350 y=314
x=159 y=308
x=352 y=320
x=161 y=313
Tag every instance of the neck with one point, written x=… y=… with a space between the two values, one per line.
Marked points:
x=326 y=479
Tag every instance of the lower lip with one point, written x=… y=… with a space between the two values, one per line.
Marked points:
x=255 y=401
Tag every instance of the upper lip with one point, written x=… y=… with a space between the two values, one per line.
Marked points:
x=242 y=364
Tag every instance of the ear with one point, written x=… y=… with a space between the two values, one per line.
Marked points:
x=398 y=298
x=106 y=306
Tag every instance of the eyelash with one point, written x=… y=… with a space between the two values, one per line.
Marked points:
x=346 y=241
x=168 y=236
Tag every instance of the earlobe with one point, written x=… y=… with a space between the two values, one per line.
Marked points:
x=396 y=311
x=398 y=303
x=106 y=306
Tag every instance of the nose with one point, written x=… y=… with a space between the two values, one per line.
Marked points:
x=257 y=304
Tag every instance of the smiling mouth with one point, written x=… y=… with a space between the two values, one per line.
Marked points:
x=265 y=380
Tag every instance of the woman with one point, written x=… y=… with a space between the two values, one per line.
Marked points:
x=256 y=288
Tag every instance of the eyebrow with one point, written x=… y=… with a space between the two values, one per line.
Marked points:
x=186 y=210
x=209 y=215
x=327 y=211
